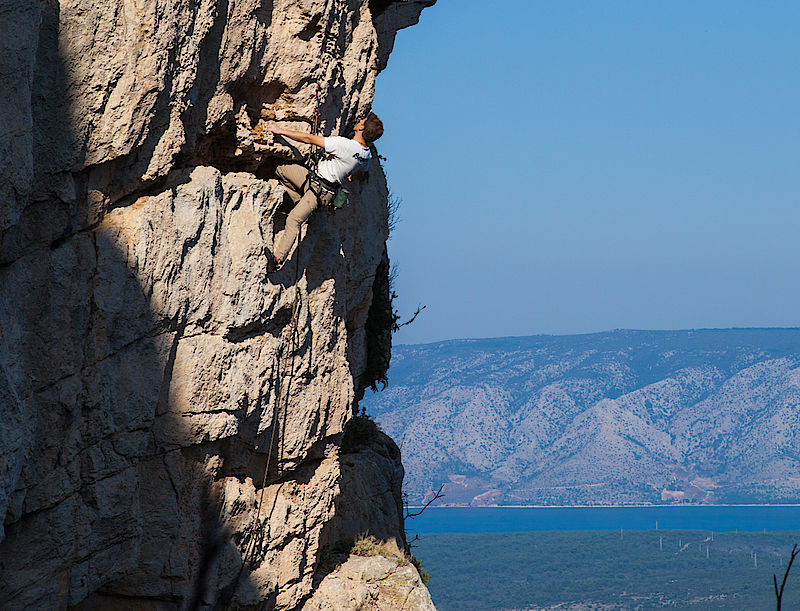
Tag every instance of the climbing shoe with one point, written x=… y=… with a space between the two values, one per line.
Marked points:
x=273 y=265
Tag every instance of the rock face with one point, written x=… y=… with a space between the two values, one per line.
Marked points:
x=368 y=584
x=172 y=418
x=620 y=417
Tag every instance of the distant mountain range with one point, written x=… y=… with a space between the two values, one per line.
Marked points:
x=708 y=416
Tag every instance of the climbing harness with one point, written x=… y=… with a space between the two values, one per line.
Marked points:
x=323 y=183
x=339 y=195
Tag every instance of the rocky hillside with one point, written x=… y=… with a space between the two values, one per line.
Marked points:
x=620 y=417
x=172 y=419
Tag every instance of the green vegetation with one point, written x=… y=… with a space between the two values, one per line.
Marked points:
x=381 y=323
x=424 y=575
x=653 y=569
x=360 y=431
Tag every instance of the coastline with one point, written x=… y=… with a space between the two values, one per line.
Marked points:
x=715 y=518
x=643 y=506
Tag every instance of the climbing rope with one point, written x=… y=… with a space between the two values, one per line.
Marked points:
x=326 y=55
x=278 y=422
x=282 y=396
x=315 y=152
x=281 y=404
x=296 y=306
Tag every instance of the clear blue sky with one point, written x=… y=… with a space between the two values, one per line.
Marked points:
x=570 y=166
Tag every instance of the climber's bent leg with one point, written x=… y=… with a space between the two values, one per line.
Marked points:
x=285 y=239
x=293 y=176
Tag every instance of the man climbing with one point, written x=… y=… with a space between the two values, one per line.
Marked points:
x=310 y=188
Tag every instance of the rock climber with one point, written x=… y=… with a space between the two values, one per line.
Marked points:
x=308 y=188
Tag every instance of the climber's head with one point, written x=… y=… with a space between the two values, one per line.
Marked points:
x=371 y=128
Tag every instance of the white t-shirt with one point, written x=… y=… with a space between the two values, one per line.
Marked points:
x=344 y=156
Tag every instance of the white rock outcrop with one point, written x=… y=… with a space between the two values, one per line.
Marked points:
x=148 y=367
x=371 y=584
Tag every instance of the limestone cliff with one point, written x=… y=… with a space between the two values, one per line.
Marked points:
x=148 y=367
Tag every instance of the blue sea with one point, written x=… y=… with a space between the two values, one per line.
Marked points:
x=749 y=518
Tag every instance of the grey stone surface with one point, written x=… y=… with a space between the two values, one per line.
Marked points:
x=371 y=584
x=145 y=358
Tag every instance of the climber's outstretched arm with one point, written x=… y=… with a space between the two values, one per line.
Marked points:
x=299 y=136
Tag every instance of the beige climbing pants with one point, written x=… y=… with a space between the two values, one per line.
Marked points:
x=306 y=196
